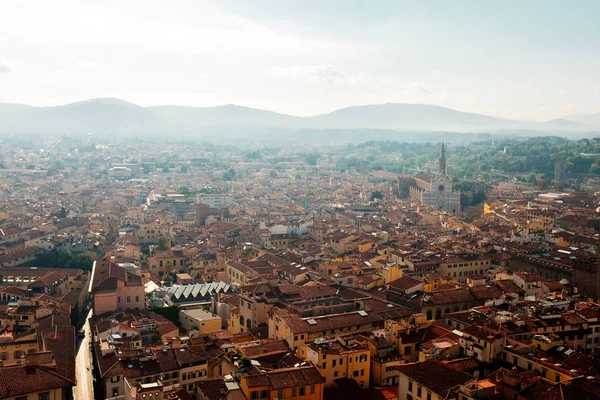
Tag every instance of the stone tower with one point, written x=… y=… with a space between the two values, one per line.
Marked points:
x=442 y=163
x=560 y=173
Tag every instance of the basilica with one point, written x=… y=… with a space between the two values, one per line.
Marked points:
x=436 y=189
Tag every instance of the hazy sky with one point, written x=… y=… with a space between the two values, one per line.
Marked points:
x=517 y=59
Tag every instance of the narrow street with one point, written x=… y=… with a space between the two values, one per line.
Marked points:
x=83 y=364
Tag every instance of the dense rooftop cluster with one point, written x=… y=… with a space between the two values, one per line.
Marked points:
x=271 y=278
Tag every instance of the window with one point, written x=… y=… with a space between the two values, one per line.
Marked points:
x=280 y=394
x=324 y=365
x=410 y=386
x=341 y=361
x=428 y=395
x=118 y=299
x=129 y=299
x=44 y=396
x=334 y=363
x=362 y=372
x=419 y=389
x=312 y=389
x=356 y=374
x=544 y=372
x=407 y=350
x=363 y=358
x=294 y=392
x=3 y=356
x=302 y=391
x=409 y=397
x=137 y=299
x=557 y=378
x=335 y=374
x=254 y=395
x=18 y=354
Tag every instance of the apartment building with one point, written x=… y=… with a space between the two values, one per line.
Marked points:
x=342 y=357
x=303 y=383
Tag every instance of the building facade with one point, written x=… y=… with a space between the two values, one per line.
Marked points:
x=436 y=189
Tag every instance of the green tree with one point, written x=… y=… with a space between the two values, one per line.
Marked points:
x=229 y=175
x=61 y=259
x=595 y=169
x=81 y=261
x=168 y=269
x=311 y=158
x=245 y=362
x=62 y=213
x=184 y=190
x=162 y=244
x=376 y=195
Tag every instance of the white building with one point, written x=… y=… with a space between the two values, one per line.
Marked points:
x=215 y=200
x=436 y=190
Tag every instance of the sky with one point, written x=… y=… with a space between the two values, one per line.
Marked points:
x=510 y=58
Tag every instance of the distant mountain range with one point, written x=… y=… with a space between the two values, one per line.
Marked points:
x=118 y=117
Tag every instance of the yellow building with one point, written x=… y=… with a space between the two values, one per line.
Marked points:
x=167 y=262
x=150 y=233
x=296 y=331
x=384 y=360
x=523 y=356
x=13 y=348
x=433 y=282
x=253 y=308
x=200 y=320
x=365 y=245
x=391 y=272
x=342 y=357
x=304 y=383
x=407 y=336
x=343 y=243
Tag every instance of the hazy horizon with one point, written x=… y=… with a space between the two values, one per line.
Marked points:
x=527 y=61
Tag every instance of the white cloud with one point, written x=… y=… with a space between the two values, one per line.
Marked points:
x=4 y=69
x=328 y=74
x=571 y=109
x=417 y=88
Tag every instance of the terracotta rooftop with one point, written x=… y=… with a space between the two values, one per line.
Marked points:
x=435 y=376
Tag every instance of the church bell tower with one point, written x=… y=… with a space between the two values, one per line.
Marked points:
x=442 y=166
